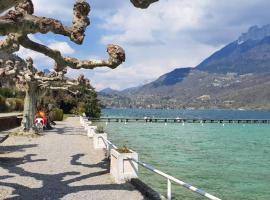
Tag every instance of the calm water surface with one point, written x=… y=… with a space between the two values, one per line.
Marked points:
x=231 y=161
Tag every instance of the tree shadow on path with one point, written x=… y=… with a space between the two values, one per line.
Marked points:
x=16 y=148
x=53 y=185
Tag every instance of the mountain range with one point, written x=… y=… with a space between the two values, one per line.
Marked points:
x=235 y=77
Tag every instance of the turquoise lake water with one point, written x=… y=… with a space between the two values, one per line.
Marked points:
x=231 y=162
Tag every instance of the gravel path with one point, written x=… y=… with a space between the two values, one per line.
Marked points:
x=62 y=164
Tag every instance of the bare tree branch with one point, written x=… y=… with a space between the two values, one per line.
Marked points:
x=116 y=53
x=142 y=3
x=64 y=89
x=22 y=21
x=18 y=23
x=10 y=43
x=7 y=4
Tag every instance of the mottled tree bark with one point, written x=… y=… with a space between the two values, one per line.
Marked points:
x=30 y=106
x=18 y=23
x=142 y=3
x=6 y=4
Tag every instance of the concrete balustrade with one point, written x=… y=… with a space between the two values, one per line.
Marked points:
x=81 y=120
x=91 y=131
x=122 y=168
x=99 y=140
x=86 y=125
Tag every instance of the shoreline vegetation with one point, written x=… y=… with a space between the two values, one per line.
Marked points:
x=192 y=108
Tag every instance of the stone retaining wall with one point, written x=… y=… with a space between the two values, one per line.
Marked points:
x=9 y=122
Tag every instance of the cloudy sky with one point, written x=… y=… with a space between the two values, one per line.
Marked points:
x=170 y=34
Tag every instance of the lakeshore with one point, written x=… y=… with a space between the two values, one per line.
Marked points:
x=214 y=157
x=61 y=164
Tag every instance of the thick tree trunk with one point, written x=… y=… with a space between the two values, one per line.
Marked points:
x=30 y=104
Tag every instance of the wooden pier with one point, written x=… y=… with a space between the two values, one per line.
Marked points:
x=181 y=120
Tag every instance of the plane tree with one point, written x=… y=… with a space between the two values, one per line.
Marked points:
x=17 y=24
x=6 y=4
x=18 y=21
x=24 y=76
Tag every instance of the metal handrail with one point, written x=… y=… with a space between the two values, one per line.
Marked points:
x=168 y=177
x=109 y=142
x=171 y=178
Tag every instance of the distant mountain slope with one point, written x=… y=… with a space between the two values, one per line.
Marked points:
x=236 y=76
x=171 y=78
x=108 y=91
x=251 y=56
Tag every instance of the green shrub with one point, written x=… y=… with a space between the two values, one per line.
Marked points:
x=57 y=114
x=7 y=93
x=3 y=106
x=11 y=104
x=92 y=109
x=123 y=149
x=100 y=129
x=14 y=104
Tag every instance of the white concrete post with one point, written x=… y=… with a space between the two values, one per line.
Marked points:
x=108 y=150
x=91 y=131
x=99 y=142
x=122 y=168
x=86 y=125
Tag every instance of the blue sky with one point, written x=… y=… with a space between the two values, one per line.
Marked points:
x=168 y=35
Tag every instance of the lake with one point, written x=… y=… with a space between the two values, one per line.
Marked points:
x=230 y=161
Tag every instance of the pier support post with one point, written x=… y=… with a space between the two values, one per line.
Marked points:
x=122 y=168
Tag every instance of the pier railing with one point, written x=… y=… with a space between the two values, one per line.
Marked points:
x=170 y=179
x=181 y=120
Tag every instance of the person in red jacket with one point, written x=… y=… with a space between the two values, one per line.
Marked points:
x=42 y=114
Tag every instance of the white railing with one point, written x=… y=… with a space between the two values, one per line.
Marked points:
x=173 y=179
x=109 y=143
x=169 y=178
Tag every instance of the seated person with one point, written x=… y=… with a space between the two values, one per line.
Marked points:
x=41 y=114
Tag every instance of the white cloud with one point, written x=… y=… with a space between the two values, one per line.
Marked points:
x=175 y=33
x=41 y=61
x=169 y=34
x=155 y=41
x=60 y=9
x=163 y=19
x=63 y=47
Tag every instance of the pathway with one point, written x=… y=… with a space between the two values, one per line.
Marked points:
x=62 y=164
